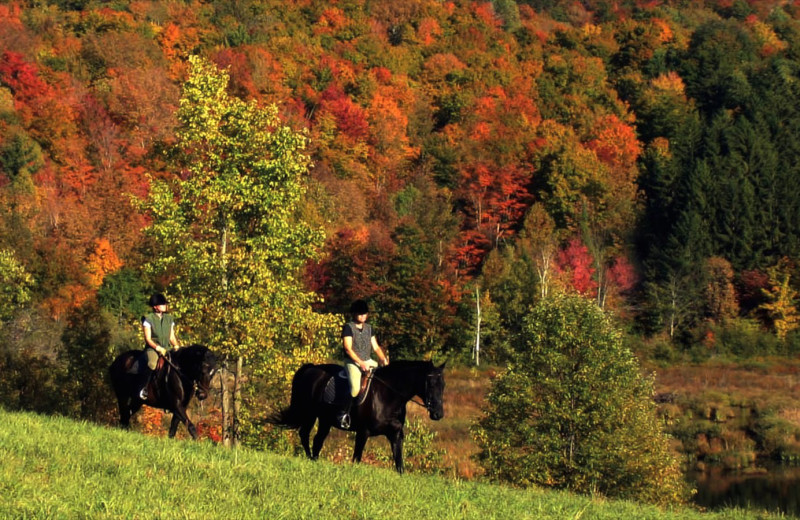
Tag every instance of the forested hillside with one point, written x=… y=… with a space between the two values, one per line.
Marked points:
x=643 y=154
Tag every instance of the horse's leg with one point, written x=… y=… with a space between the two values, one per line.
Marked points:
x=396 y=441
x=179 y=415
x=173 y=425
x=305 y=433
x=133 y=406
x=124 y=412
x=323 y=429
x=361 y=441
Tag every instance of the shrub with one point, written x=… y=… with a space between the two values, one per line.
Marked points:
x=573 y=411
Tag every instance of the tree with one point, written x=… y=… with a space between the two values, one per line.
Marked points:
x=88 y=352
x=15 y=285
x=573 y=411
x=229 y=239
x=781 y=298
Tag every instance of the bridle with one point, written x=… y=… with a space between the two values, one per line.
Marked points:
x=428 y=404
x=195 y=380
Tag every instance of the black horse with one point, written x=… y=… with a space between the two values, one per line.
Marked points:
x=382 y=412
x=186 y=371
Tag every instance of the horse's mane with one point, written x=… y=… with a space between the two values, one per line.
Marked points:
x=404 y=365
x=190 y=352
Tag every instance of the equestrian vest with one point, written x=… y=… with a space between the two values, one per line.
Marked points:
x=160 y=328
x=362 y=339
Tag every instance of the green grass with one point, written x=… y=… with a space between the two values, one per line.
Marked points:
x=56 y=468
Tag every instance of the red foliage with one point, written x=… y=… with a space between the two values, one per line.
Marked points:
x=22 y=78
x=751 y=287
x=622 y=274
x=351 y=119
x=241 y=78
x=210 y=426
x=575 y=262
x=496 y=200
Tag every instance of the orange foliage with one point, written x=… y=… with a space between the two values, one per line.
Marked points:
x=152 y=421
x=485 y=12
x=332 y=19
x=616 y=144
x=68 y=297
x=9 y=15
x=666 y=35
x=102 y=261
x=429 y=30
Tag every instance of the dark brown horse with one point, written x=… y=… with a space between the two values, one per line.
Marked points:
x=382 y=412
x=186 y=372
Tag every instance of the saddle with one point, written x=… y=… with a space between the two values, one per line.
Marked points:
x=337 y=389
x=134 y=364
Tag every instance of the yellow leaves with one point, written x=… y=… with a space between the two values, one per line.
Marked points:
x=781 y=300
x=669 y=83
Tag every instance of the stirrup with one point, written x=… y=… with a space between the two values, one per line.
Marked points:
x=143 y=394
x=344 y=421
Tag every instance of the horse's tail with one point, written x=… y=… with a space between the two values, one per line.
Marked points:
x=292 y=417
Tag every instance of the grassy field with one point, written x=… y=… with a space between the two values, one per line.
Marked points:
x=57 y=468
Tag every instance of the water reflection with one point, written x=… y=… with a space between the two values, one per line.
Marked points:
x=775 y=490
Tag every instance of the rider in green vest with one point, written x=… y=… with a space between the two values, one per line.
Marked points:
x=159 y=337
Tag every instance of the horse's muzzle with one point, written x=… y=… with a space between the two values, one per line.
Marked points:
x=201 y=394
x=436 y=414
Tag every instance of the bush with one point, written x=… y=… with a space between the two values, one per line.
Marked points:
x=573 y=411
x=744 y=338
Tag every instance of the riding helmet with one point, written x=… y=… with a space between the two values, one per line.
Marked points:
x=157 y=299
x=359 y=307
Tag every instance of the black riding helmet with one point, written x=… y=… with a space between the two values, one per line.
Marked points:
x=157 y=299
x=359 y=307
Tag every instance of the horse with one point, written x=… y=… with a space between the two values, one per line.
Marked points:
x=186 y=371
x=381 y=412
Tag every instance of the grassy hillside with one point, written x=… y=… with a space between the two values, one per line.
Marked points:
x=57 y=468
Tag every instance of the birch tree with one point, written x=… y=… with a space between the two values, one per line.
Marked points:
x=228 y=240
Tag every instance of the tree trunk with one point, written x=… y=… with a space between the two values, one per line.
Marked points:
x=237 y=402
x=225 y=412
x=478 y=327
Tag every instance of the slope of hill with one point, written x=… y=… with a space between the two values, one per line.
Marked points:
x=57 y=468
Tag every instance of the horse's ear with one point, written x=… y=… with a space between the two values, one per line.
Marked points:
x=441 y=367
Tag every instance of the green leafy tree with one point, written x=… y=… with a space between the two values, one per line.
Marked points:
x=228 y=237
x=573 y=411
x=15 y=285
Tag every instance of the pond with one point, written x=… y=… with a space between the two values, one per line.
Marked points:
x=777 y=489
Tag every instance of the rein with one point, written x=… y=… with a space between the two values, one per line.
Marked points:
x=413 y=396
x=180 y=374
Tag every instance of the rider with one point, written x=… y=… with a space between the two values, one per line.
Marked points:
x=359 y=342
x=159 y=337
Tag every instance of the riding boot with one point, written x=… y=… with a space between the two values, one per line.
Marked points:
x=142 y=380
x=343 y=417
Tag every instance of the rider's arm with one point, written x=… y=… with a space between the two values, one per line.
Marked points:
x=173 y=340
x=382 y=357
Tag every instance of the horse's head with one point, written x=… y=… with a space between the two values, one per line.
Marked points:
x=207 y=368
x=199 y=364
x=434 y=392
